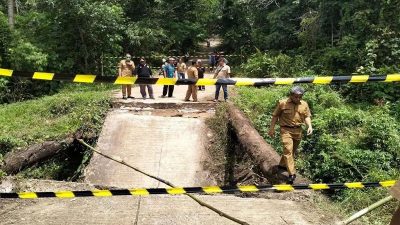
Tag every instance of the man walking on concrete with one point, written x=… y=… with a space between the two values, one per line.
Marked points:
x=192 y=89
x=169 y=72
x=291 y=113
x=125 y=69
x=144 y=71
x=223 y=71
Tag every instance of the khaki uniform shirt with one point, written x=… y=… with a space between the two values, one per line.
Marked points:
x=181 y=67
x=290 y=114
x=127 y=68
x=223 y=72
x=192 y=73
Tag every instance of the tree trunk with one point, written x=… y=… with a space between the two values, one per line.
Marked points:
x=11 y=13
x=262 y=153
x=85 y=51
x=17 y=161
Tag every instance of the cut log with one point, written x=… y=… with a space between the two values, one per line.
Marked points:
x=17 y=161
x=262 y=153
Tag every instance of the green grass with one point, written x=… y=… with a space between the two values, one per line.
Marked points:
x=76 y=107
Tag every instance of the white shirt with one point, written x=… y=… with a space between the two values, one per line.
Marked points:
x=223 y=71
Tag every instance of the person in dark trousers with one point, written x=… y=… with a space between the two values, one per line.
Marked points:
x=212 y=61
x=169 y=72
x=201 y=70
x=144 y=71
x=223 y=71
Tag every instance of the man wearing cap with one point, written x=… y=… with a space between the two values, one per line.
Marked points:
x=169 y=72
x=125 y=69
x=291 y=113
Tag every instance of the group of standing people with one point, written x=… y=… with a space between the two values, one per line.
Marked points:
x=172 y=69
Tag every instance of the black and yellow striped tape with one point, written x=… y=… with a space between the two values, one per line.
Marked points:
x=89 y=78
x=190 y=190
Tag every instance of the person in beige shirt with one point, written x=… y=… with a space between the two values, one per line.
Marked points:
x=125 y=69
x=181 y=68
x=291 y=113
x=192 y=89
x=223 y=71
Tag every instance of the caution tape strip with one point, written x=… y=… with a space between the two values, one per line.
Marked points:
x=89 y=78
x=191 y=190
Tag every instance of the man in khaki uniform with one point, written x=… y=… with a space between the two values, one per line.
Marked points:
x=291 y=113
x=396 y=194
x=192 y=89
x=125 y=69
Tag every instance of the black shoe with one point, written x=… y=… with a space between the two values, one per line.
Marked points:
x=131 y=97
x=291 y=179
x=124 y=98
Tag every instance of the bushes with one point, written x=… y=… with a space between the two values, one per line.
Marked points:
x=266 y=65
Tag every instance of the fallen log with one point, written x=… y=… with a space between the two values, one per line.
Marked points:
x=262 y=153
x=18 y=160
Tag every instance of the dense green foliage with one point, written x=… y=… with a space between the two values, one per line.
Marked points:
x=334 y=36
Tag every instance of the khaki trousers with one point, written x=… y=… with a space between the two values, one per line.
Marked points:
x=192 y=91
x=291 y=138
x=126 y=88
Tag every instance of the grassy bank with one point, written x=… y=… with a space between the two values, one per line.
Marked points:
x=75 y=108
x=352 y=142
